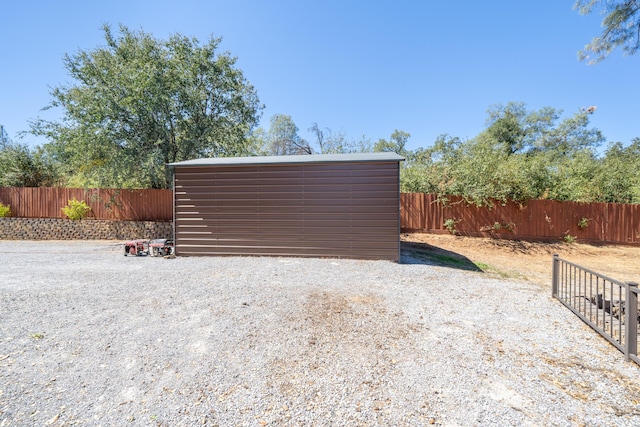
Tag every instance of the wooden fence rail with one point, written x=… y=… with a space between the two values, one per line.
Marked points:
x=544 y=220
x=537 y=220
x=135 y=205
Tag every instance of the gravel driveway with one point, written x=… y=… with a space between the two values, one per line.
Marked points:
x=90 y=337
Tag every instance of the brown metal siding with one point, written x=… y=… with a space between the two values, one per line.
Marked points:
x=322 y=210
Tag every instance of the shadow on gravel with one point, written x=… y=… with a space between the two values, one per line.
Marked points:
x=423 y=253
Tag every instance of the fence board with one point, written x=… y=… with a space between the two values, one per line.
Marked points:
x=544 y=220
x=537 y=220
x=135 y=205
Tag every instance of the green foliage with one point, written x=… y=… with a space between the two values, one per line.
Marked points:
x=281 y=139
x=395 y=144
x=497 y=226
x=418 y=178
x=514 y=129
x=329 y=142
x=76 y=210
x=4 y=138
x=482 y=266
x=450 y=225
x=521 y=155
x=138 y=103
x=524 y=155
x=574 y=178
x=5 y=210
x=478 y=170
x=568 y=238
x=21 y=166
x=583 y=223
x=620 y=28
x=618 y=178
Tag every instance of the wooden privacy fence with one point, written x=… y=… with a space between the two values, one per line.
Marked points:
x=134 y=205
x=537 y=220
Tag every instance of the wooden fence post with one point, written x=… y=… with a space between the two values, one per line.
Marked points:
x=631 y=320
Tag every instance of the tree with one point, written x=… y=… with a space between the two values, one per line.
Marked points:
x=395 y=144
x=572 y=135
x=428 y=170
x=521 y=155
x=21 y=166
x=573 y=178
x=618 y=178
x=4 y=138
x=281 y=139
x=140 y=102
x=507 y=129
x=621 y=28
x=329 y=142
x=514 y=129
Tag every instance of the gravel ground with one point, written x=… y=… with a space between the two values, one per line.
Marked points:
x=90 y=337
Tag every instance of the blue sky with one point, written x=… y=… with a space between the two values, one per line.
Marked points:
x=361 y=67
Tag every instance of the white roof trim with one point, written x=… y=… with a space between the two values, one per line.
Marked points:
x=294 y=159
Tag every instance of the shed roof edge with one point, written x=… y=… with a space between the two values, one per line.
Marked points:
x=293 y=159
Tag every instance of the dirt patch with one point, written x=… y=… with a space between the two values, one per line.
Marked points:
x=525 y=260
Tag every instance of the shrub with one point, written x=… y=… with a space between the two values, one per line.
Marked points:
x=584 y=223
x=76 y=209
x=497 y=226
x=450 y=224
x=4 y=210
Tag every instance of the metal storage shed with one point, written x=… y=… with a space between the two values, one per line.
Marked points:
x=326 y=205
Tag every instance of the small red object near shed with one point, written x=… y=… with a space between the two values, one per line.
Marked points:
x=138 y=247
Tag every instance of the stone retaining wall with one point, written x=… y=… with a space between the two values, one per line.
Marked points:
x=65 y=229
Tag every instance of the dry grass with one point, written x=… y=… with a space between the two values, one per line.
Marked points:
x=522 y=260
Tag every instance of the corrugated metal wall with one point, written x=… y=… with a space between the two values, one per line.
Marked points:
x=346 y=210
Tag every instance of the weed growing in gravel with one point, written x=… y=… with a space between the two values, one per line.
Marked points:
x=486 y=268
x=37 y=336
x=448 y=260
x=482 y=266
